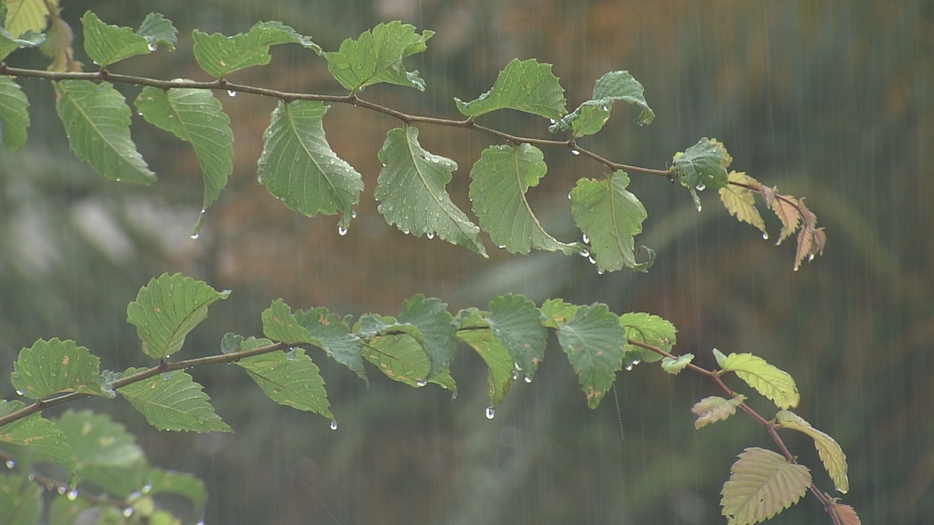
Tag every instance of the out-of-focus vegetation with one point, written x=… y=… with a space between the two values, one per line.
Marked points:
x=831 y=100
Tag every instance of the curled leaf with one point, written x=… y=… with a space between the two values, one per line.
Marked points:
x=715 y=408
x=831 y=455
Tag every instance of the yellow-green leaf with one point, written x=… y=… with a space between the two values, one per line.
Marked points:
x=741 y=202
x=768 y=380
x=674 y=366
x=761 y=485
x=831 y=454
x=715 y=408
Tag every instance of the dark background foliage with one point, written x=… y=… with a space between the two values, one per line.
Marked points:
x=829 y=100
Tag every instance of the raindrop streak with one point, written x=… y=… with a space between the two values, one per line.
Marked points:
x=231 y=93
x=490 y=413
x=10 y=463
x=333 y=425
x=341 y=231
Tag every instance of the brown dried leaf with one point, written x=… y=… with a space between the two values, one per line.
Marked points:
x=846 y=513
x=785 y=207
x=715 y=408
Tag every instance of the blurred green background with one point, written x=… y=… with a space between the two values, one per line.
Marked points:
x=830 y=100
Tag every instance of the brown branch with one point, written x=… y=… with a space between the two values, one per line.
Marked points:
x=287 y=96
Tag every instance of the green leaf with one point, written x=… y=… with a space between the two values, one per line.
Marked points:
x=523 y=85
x=158 y=31
x=290 y=379
x=700 y=166
x=499 y=181
x=300 y=168
x=173 y=401
x=674 y=366
x=10 y=43
x=610 y=216
x=741 y=202
x=332 y=335
x=590 y=116
x=715 y=408
x=412 y=195
x=14 y=117
x=556 y=312
x=97 y=122
x=720 y=357
x=518 y=324
x=108 y=44
x=830 y=452
x=591 y=339
x=436 y=324
x=185 y=485
x=377 y=56
x=475 y=332
x=649 y=329
x=768 y=380
x=105 y=453
x=196 y=117
x=20 y=501
x=761 y=485
x=26 y=15
x=54 y=367
x=318 y=327
x=166 y=309
x=219 y=55
x=39 y=435
x=400 y=357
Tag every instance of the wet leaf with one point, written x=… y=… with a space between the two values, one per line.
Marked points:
x=741 y=202
x=219 y=55
x=10 y=43
x=20 y=500
x=27 y=15
x=768 y=380
x=611 y=217
x=523 y=85
x=702 y=165
x=761 y=485
x=40 y=436
x=674 y=366
x=56 y=367
x=828 y=449
x=649 y=329
x=476 y=333
x=290 y=379
x=376 y=57
x=108 y=44
x=412 y=195
x=591 y=341
x=846 y=513
x=715 y=408
x=499 y=181
x=518 y=324
x=97 y=122
x=158 y=31
x=299 y=167
x=590 y=116
x=173 y=401
x=189 y=487
x=556 y=312
x=14 y=117
x=785 y=209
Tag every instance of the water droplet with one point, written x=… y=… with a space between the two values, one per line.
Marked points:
x=796 y=268
x=585 y=239
x=152 y=46
x=515 y=375
x=353 y=214
x=146 y=488
x=20 y=393
x=552 y=120
x=592 y=260
x=517 y=366
x=333 y=425
x=61 y=489
x=421 y=383
x=810 y=257
x=341 y=231
x=453 y=396
x=72 y=494
x=127 y=512
x=700 y=187
x=765 y=236
x=405 y=232
x=528 y=379
x=490 y=413
x=10 y=463
x=430 y=235
x=585 y=253
x=629 y=367
x=600 y=271
x=231 y=93
x=194 y=236
x=635 y=362
x=699 y=207
x=575 y=152
x=569 y=195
